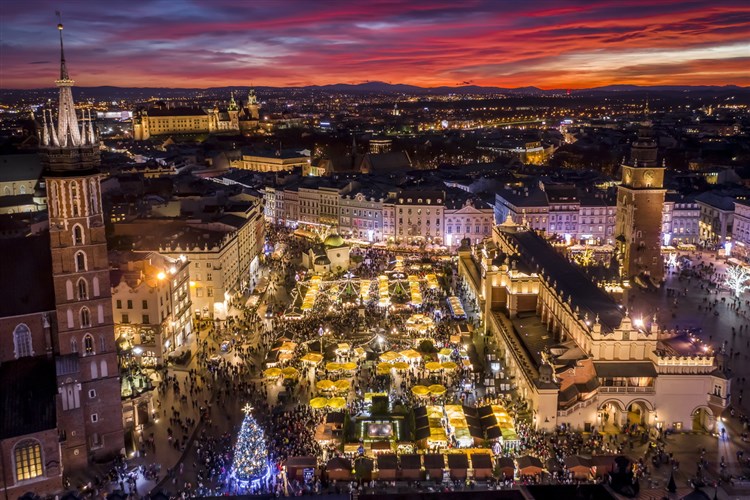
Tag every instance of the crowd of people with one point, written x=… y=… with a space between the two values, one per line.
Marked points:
x=200 y=417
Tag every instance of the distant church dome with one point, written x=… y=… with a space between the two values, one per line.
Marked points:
x=333 y=241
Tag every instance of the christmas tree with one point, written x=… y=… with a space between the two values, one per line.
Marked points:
x=250 y=456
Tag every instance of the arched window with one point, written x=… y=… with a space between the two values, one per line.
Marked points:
x=95 y=283
x=80 y=261
x=88 y=344
x=85 y=317
x=93 y=205
x=27 y=455
x=69 y=289
x=102 y=343
x=75 y=202
x=83 y=289
x=22 y=189
x=74 y=345
x=22 y=341
x=7 y=191
x=77 y=235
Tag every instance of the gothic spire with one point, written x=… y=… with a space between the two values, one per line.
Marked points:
x=68 y=132
x=63 y=68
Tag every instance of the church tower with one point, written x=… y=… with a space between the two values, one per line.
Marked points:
x=253 y=108
x=640 y=200
x=89 y=410
x=233 y=110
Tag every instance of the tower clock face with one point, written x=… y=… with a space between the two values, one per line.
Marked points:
x=648 y=176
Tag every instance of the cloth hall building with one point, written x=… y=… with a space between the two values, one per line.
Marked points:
x=578 y=357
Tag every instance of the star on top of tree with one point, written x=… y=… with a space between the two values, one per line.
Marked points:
x=247 y=409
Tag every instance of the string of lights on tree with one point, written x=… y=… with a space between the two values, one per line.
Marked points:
x=250 y=462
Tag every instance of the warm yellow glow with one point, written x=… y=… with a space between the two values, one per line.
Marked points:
x=161 y=276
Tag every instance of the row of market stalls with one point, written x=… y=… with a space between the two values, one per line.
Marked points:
x=457 y=465
x=462 y=426
x=356 y=288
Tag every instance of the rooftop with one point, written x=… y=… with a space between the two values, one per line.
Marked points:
x=27 y=396
x=26 y=275
x=536 y=253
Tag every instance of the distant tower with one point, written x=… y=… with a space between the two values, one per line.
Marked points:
x=253 y=108
x=89 y=411
x=141 y=130
x=396 y=111
x=640 y=199
x=233 y=110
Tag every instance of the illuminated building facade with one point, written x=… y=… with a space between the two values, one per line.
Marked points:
x=640 y=202
x=163 y=120
x=152 y=306
x=575 y=355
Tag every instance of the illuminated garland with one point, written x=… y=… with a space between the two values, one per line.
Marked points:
x=250 y=455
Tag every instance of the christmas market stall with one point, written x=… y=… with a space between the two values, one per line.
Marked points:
x=411 y=467
x=458 y=463
x=579 y=466
x=434 y=463
x=387 y=466
x=506 y=466
x=339 y=469
x=529 y=466
x=482 y=465
x=296 y=467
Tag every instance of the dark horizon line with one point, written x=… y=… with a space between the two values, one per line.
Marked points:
x=410 y=86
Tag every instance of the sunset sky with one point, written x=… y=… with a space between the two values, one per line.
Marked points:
x=549 y=44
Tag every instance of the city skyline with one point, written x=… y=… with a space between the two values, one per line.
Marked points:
x=544 y=44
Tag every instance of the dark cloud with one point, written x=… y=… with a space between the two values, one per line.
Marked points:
x=491 y=42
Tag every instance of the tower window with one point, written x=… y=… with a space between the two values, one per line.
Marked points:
x=77 y=235
x=88 y=344
x=28 y=458
x=83 y=289
x=75 y=202
x=80 y=261
x=85 y=317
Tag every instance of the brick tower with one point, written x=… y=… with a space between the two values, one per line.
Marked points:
x=640 y=199
x=89 y=409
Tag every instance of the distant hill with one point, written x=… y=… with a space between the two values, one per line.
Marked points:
x=374 y=87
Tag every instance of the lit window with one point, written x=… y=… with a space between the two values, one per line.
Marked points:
x=88 y=344
x=28 y=457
